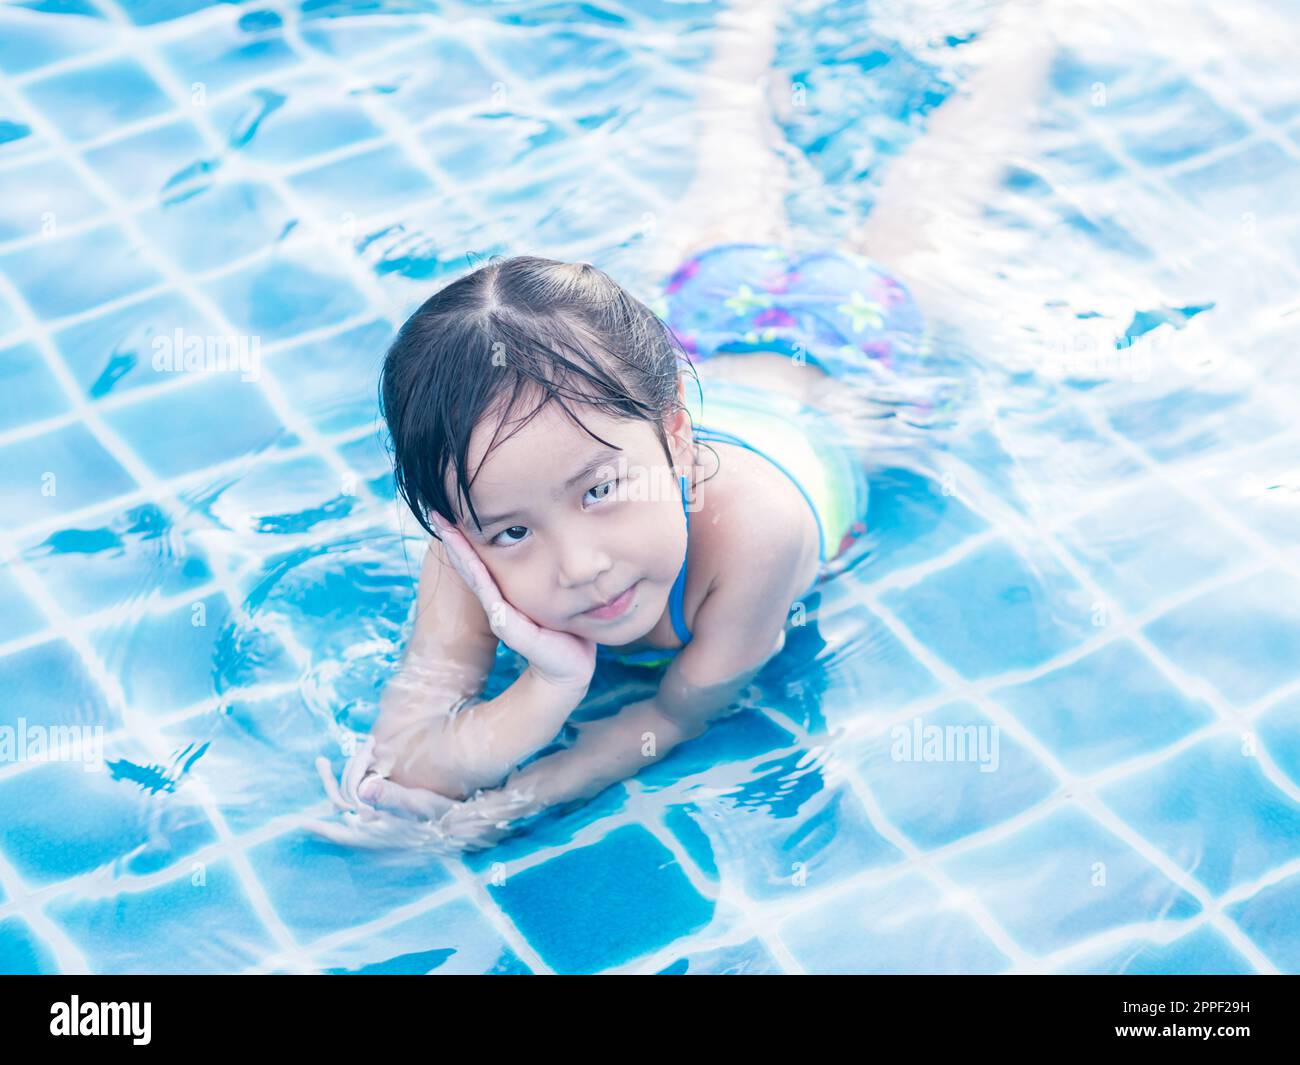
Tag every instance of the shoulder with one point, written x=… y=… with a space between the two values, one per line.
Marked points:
x=755 y=527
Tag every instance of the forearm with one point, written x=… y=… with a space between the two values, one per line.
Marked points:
x=477 y=746
x=606 y=751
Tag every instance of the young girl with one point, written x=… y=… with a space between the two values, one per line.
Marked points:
x=585 y=502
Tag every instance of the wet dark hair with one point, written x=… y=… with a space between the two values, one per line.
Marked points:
x=560 y=332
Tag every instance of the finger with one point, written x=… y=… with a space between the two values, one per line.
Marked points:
x=326 y=772
x=412 y=802
x=355 y=771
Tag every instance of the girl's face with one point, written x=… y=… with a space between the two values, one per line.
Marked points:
x=569 y=524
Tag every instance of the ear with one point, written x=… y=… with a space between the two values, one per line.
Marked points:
x=677 y=428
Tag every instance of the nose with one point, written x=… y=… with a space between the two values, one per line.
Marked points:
x=581 y=562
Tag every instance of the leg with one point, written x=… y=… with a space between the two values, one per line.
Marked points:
x=738 y=191
x=932 y=195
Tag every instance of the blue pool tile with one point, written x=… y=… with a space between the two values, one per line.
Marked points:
x=49 y=684
x=371 y=181
x=605 y=904
x=322 y=376
x=63 y=819
x=1202 y=952
x=222 y=55
x=65 y=275
x=1244 y=638
x=1279 y=730
x=138 y=167
x=27 y=44
x=345 y=38
x=996 y=610
x=1260 y=490
x=22 y=952
x=944 y=775
x=1194 y=421
x=433 y=75
x=218 y=225
x=455 y=939
x=201 y=922
x=1174 y=121
x=475 y=147
x=738 y=738
x=1152 y=543
x=279 y=297
x=257 y=759
x=176 y=432
x=40 y=196
x=1065 y=878
x=1260 y=177
x=903 y=926
x=274 y=498
x=1084 y=712
x=21 y=616
x=298 y=120
x=779 y=829
x=1213 y=812
x=317 y=887
x=112 y=352
x=86 y=102
x=209 y=649
x=868 y=668
x=368 y=457
x=29 y=392
x=150 y=12
x=1268 y=917
x=117 y=556
x=50 y=474
x=555 y=827
x=909 y=520
x=745 y=959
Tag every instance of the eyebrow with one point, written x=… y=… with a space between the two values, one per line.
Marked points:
x=600 y=458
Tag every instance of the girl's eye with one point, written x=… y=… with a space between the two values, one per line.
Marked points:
x=520 y=529
x=602 y=491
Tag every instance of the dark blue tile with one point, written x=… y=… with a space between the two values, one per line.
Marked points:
x=334 y=381
x=604 y=905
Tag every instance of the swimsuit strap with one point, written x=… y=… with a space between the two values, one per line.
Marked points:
x=679 y=586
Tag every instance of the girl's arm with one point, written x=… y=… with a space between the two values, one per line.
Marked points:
x=431 y=733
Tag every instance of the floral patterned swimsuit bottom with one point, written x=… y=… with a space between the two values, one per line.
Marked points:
x=835 y=310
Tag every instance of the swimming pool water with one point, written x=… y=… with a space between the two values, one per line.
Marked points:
x=1100 y=593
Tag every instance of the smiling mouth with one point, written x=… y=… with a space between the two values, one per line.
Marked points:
x=614 y=607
